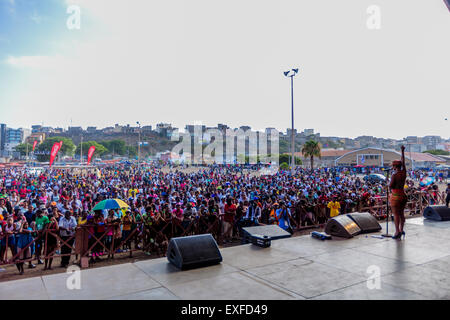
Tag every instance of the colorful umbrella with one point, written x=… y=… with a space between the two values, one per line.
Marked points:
x=426 y=181
x=110 y=204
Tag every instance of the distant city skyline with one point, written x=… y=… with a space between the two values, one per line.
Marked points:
x=223 y=62
x=159 y=134
x=154 y=127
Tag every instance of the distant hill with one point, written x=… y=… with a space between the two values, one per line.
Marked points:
x=156 y=143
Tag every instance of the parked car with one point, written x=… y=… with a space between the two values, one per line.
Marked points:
x=374 y=178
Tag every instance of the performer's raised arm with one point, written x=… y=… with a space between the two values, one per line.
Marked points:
x=403 y=158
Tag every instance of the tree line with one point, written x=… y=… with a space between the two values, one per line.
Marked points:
x=111 y=147
x=310 y=149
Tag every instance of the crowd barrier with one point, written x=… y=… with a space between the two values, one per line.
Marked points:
x=152 y=236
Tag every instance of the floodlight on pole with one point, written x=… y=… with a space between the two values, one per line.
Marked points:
x=291 y=74
x=139 y=145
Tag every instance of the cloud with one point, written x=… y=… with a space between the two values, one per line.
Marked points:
x=222 y=61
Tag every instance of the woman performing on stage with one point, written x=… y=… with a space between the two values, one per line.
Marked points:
x=398 y=197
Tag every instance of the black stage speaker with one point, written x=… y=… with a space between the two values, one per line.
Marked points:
x=342 y=226
x=438 y=213
x=193 y=252
x=271 y=231
x=365 y=221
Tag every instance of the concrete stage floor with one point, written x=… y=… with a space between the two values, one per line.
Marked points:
x=294 y=268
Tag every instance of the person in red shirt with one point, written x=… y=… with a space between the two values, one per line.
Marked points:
x=228 y=220
x=178 y=212
x=24 y=191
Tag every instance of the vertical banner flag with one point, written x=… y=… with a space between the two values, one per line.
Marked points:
x=55 y=149
x=34 y=145
x=90 y=154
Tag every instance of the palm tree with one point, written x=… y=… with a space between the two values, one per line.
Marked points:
x=311 y=149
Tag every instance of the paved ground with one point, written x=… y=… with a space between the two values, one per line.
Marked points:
x=295 y=268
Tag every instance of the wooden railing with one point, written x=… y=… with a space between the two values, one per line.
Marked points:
x=152 y=235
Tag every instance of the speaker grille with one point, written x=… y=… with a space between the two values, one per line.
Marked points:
x=438 y=213
x=198 y=248
x=342 y=226
x=365 y=221
x=193 y=251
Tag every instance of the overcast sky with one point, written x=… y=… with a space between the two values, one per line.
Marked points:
x=214 y=61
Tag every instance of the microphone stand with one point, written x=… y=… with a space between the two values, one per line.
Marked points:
x=387 y=235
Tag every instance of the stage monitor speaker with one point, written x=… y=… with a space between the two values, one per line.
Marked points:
x=342 y=226
x=193 y=252
x=365 y=221
x=438 y=213
x=271 y=231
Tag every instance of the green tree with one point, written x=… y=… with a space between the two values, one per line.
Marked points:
x=67 y=149
x=284 y=166
x=118 y=147
x=131 y=151
x=333 y=145
x=99 y=148
x=286 y=158
x=22 y=148
x=438 y=152
x=311 y=149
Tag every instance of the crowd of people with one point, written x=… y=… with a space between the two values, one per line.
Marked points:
x=61 y=201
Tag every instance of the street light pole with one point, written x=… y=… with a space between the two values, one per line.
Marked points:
x=139 y=146
x=291 y=75
x=81 y=151
x=292 y=129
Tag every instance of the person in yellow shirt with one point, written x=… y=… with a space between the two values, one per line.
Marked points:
x=132 y=193
x=334 y=207
x=83 y=218
x=127 y=221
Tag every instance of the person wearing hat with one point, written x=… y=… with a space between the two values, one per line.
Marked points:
x=398 y=198
x=273 y=219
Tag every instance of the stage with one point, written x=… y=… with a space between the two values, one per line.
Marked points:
x=294 y=268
